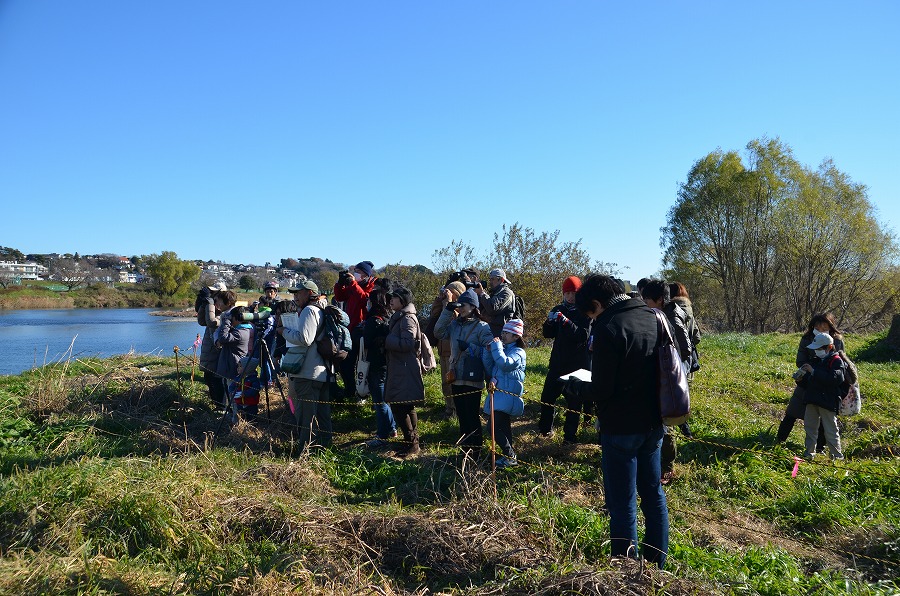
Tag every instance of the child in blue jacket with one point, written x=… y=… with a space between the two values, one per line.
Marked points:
x=504 y=361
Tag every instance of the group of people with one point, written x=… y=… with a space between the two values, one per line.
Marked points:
x=478 y=332
x=597 y=328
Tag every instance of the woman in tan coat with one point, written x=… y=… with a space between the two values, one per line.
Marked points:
x=404 y=388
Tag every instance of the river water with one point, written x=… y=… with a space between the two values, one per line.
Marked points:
x=33 y=337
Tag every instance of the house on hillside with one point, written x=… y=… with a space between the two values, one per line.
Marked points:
x=22 y=271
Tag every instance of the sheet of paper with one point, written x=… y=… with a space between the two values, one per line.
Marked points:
x=582 y=374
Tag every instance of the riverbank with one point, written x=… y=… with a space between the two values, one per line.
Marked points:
x=97 y=296
x=114 y=460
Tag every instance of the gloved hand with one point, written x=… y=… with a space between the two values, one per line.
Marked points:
x=563 y=319
x=344 y=277
x=551 y=316
x=572 y=387
x=462 y=344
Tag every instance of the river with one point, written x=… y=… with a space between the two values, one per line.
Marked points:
x=33 y=337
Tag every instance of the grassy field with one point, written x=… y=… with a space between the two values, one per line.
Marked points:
x=113 y=481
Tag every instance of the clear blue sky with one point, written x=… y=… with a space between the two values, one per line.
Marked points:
x=252 y=131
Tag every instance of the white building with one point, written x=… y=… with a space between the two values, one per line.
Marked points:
x=31 y=271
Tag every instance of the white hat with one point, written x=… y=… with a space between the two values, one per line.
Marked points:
x=821 y=340
x=219 y=286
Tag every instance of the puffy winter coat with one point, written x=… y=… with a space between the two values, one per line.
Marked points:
x=401 y=347
x=506 y=364
x=472 y=332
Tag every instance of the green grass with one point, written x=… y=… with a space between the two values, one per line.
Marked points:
x=111 y=481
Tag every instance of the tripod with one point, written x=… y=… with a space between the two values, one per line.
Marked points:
x=260 y=348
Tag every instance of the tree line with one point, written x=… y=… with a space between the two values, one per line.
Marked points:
x=765 y=242
x=761 y=241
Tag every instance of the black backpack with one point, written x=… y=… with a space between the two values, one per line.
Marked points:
x=518 y=308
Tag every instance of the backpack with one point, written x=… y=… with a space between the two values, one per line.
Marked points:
x=427 y=361
x=851 y=400
x=333 y=342
x=518 y=308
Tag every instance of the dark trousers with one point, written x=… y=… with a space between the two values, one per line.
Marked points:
x=468 y=402
x=502 y=433
x=407 y=421
x=552 y=389
x=216 y=387
x=787 y=424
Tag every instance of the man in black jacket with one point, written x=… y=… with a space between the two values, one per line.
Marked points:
x=624 y=391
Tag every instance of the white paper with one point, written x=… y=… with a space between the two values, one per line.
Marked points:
x=582 y=374
x=290 y=320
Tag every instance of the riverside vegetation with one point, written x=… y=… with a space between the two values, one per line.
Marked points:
x=112 y=482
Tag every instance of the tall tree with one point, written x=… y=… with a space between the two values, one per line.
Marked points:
x=171 y=275
x=772 y=243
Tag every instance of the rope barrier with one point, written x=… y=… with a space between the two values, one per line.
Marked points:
x=568 y=478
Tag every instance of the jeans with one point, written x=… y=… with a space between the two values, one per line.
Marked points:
x=631 y=467
x=384 y=417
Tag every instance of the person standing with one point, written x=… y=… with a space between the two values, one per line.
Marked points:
x=312 y=410
x=623 y=386
x=375 y=331
x=353 y=289
x=210 y=312
x=569 y=329
x=656 y=295
x=796 y=408
x=498 y=304
x=460 y=322
x=456 y=288
x=404 y=388
x=504 y=360
x=825 y=383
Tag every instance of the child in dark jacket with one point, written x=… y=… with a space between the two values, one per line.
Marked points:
x=824 y=380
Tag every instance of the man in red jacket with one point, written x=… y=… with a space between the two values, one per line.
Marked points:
x=353 y=289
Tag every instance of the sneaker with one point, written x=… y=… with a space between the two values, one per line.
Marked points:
x=548 y=435
x=506 y=462
x=376 y=443
x=667 y=477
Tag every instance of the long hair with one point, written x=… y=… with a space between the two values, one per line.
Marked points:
x=677 y=289
x=379 y=303
x=824 y=317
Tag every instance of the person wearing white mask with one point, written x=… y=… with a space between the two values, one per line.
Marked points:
x=796 y=408
x=824 y=380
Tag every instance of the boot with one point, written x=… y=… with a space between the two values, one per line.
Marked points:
x=784 y=429
x=413 y=447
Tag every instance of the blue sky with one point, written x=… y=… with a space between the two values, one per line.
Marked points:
x=253 y=131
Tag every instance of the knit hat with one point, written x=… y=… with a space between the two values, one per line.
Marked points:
x=498 y=273
x=457 y=287
x=572 y=284
x=366 y=268
x=270 y=285
x=402 y=293
x=515 y=326
x=822 y=340
x=469 y=297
